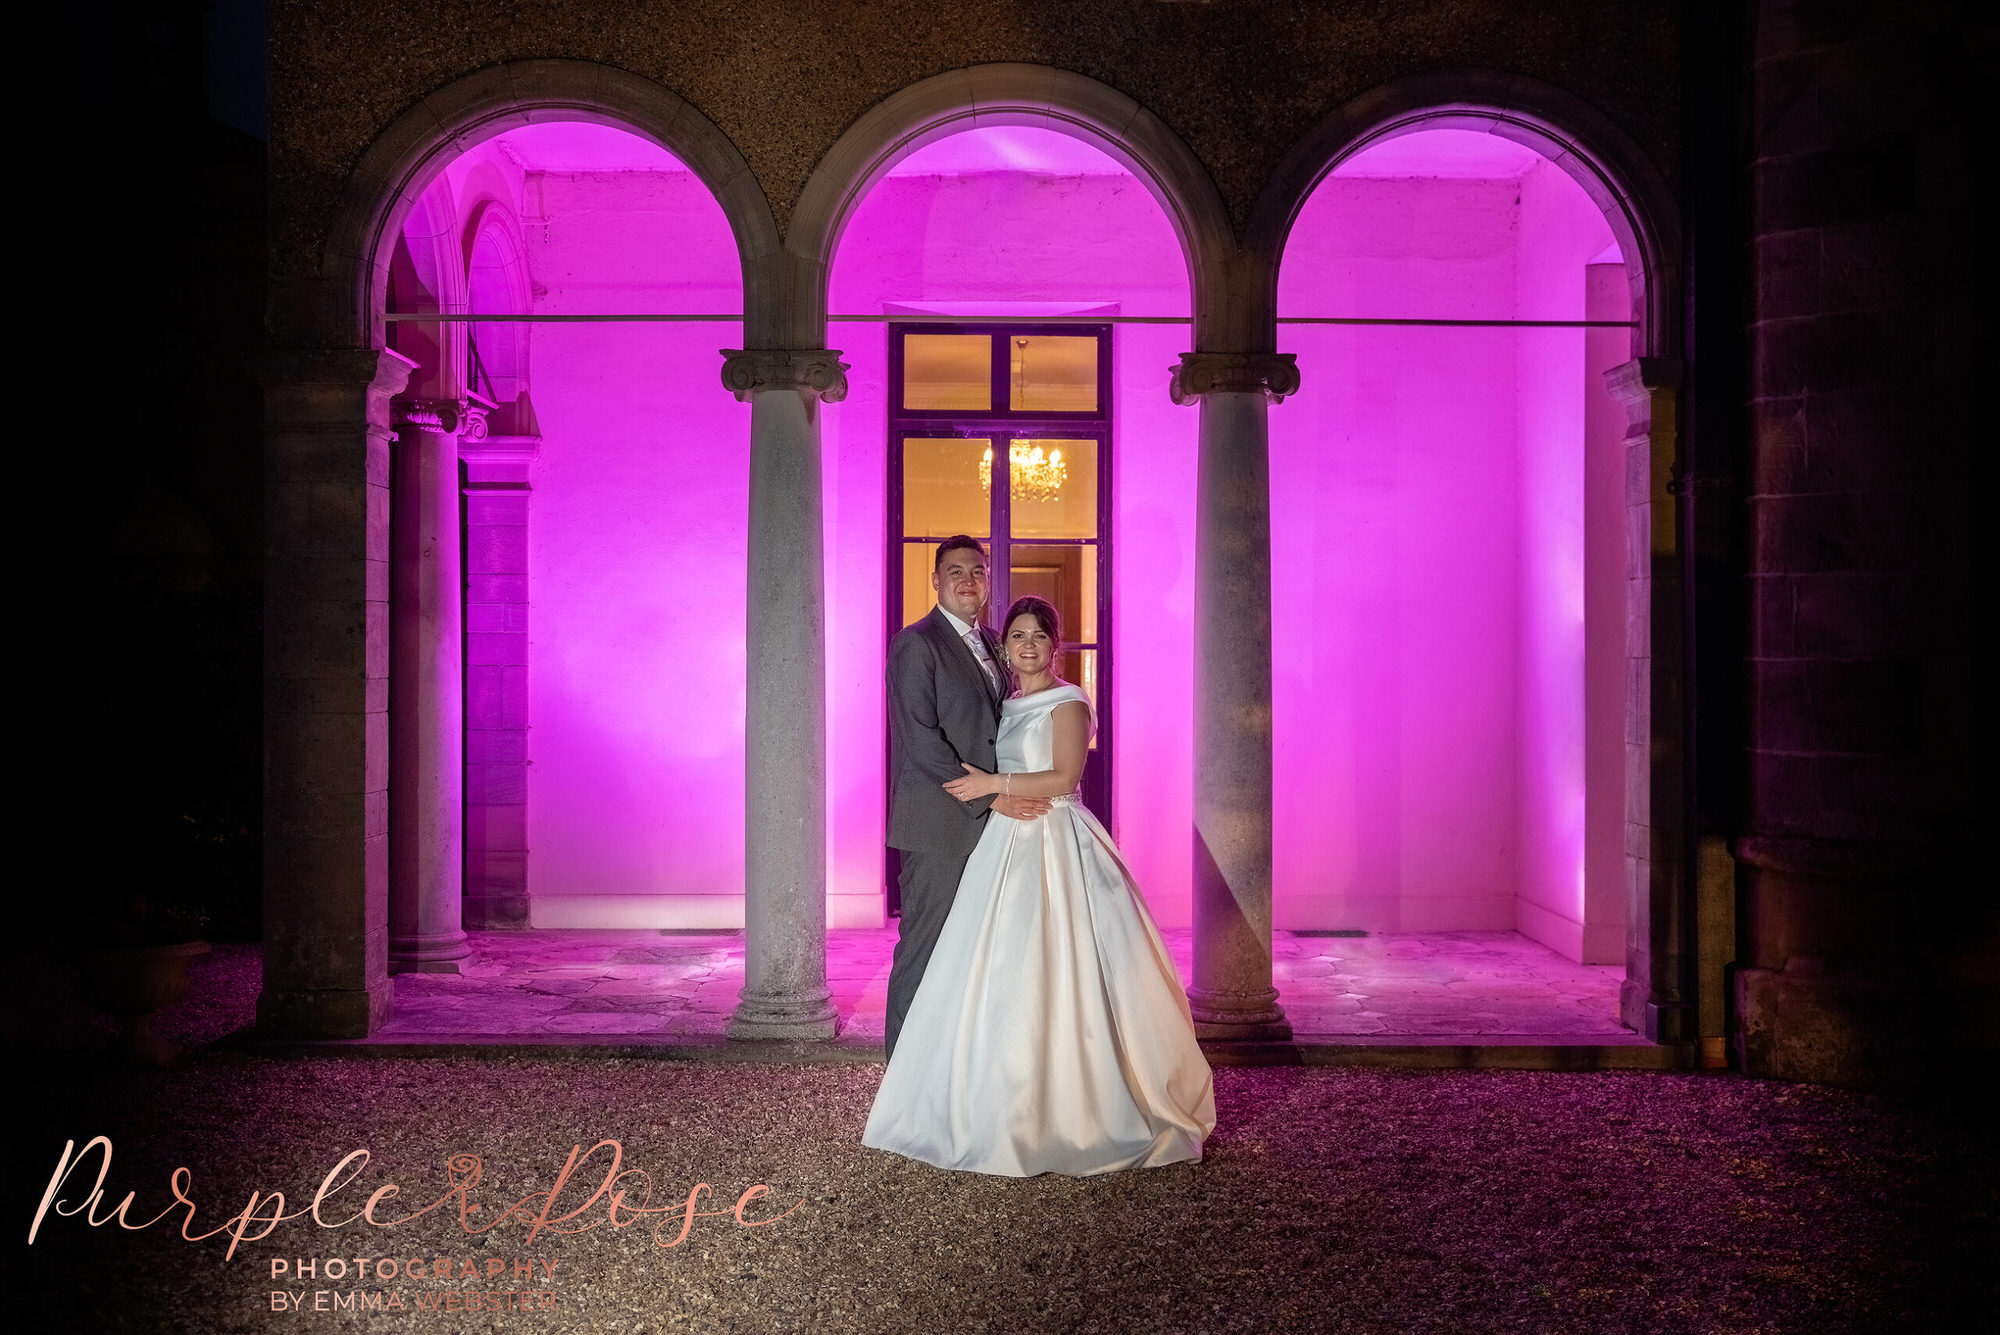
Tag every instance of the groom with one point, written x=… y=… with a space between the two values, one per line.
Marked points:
x=947 y=678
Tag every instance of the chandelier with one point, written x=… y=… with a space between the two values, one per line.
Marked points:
x=1037 y=475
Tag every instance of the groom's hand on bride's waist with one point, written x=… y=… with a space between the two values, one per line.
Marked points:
x=1021 y=808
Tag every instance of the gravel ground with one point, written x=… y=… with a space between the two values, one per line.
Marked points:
x=1330 y=1200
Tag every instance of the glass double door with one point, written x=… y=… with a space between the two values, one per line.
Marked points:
x=1003 y=433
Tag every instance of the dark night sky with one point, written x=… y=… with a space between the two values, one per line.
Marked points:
x=153 y=47
x=233 y=54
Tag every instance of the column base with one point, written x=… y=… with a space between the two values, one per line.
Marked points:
x=1239 y=1015
x=1639 y=1009
x=796 y=1016
x=442 y=953
x=324 y=1012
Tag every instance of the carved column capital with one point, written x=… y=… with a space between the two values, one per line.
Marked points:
x=814 y=372
x=447 y=416
x=1274 y=374
x=473 y=412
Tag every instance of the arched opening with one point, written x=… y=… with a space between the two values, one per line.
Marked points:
x=1638 y=209
x=604 y=478
x=1449 y=516
x=337 y=402
x=970 y=258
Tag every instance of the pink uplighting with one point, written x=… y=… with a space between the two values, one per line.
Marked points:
x=1442 y=701
x=958 y=228
x=1447 y=520
x=1025 y=149
x=635 y=536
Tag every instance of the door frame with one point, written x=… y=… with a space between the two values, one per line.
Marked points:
x=1001 y=428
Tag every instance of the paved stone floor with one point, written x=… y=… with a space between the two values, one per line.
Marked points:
x=681 y=986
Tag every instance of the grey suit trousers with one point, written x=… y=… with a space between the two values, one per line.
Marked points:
x=942 y=711
x=929 y=882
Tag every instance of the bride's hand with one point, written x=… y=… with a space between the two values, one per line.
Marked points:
x=976 y=783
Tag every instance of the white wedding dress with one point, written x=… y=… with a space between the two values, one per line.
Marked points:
x=1050 y=1032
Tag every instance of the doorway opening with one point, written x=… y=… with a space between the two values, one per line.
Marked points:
x=962 y=396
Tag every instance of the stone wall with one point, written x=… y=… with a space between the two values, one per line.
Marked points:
x=1241 y=83
x=1862 y=938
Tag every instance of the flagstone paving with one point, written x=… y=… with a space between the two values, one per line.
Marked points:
x=683 y=986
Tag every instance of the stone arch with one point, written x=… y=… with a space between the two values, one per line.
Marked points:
x=427 y=273
x=415 y=147
x=793 y=313
x=1658 y=993
x=1601 y=158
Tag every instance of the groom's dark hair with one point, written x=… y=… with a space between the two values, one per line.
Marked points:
x=954 y=543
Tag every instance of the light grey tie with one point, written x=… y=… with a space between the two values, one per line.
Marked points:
x=977 y=644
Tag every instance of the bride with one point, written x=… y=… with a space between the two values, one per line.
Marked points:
x=1050 y=1032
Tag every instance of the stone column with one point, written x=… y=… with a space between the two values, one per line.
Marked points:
x=1653 y=998
x=785 y=993
x=326 y=691
x=426 y=710
x=1232 y=995
x=497 y=490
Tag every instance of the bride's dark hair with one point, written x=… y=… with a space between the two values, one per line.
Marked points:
x=1044 y=613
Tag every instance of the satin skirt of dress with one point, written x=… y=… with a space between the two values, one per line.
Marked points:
x=1051 y=1032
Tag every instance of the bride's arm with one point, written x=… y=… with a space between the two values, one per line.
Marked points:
x=1072 y=726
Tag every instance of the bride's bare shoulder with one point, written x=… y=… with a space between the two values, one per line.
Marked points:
x=1072 y=694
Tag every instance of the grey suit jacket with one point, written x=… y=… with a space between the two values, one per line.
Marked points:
x=941 y=711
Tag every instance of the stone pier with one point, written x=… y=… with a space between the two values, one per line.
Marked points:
x=1232 y=995
x=785 y=994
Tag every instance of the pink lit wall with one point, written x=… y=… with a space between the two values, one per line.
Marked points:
x=1429 y=553
x=1002 y=223
x=638 y=673
x=1607 y=296
x=636 y=553
x=1446 y=524
x=1558 y=377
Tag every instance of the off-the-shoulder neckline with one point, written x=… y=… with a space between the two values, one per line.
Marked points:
x=1065 y=693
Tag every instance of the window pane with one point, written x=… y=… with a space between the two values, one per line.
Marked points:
x=919 y=558
x=944 y=487
x=1055 y=488
x=1067 y=577
x=1052 y=373
x=948 y=372
x=1086 y=631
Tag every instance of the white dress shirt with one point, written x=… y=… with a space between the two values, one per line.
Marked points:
x=977 y=643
